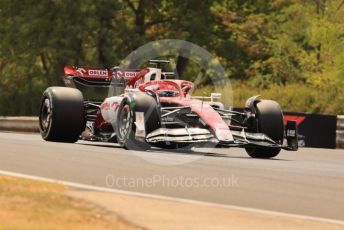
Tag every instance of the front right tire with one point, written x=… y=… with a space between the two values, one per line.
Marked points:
x=61 y=114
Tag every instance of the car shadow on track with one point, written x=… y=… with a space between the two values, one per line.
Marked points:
x=212 y=154
x=109 y=145
x=181 y=152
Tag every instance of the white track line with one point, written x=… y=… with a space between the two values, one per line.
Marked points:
x=173 y=199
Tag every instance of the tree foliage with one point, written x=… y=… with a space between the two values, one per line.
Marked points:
x=293 y=45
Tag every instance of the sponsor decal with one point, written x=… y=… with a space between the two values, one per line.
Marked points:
x=115 y=105
x=96 y=72
x=291 y=133
x=81 y=71
x=126 y=74
x=105 y=106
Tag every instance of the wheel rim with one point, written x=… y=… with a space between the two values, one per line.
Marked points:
x=45 y=118
x=124 y=122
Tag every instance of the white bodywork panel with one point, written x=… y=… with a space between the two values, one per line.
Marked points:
x=140 y=125
x=109 y=108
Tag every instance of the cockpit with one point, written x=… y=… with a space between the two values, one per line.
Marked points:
x=168 y=88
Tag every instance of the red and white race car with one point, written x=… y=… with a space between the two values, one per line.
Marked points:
x=153 y=110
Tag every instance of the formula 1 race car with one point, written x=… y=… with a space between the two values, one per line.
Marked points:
x=154 y=110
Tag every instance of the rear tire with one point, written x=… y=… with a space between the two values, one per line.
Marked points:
x=269 y=118
x=61 y=116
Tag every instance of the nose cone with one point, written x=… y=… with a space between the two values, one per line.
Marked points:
x=224 y=135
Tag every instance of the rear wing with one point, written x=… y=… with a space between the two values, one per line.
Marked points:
x=97 y=76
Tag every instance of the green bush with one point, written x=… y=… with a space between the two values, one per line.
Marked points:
x=292 y=97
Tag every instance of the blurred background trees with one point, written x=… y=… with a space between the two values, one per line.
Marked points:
x=288 y=50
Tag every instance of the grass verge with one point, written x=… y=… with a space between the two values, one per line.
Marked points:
x=29 y=204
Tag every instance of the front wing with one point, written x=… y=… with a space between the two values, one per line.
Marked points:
x=240 y=139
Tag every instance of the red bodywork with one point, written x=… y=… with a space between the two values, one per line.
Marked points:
x=203 y=110
x=133 y=78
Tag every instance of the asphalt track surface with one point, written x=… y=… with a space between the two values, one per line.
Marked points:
x=308 y=182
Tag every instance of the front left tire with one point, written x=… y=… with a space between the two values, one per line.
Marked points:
x=269 y=117
x=126 y=120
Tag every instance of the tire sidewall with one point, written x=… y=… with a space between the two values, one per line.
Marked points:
x=67 y=119
x=137 y=103
x=269 y=121
x=46 y=95
x=123 y=141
